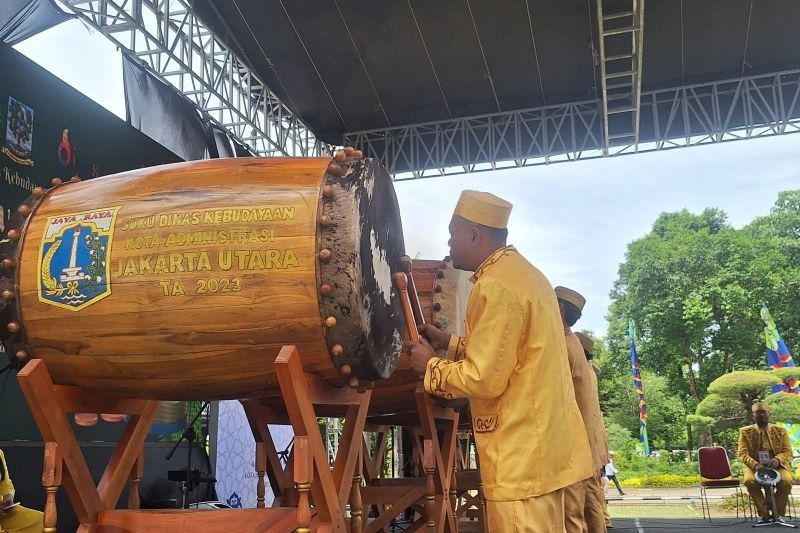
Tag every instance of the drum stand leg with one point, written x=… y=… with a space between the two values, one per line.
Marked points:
x=330 y=489
x=49 y=405
x=444 y=454
x=268 y=462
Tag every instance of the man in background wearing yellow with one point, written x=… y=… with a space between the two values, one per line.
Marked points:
x=512 y=366
x=15 y=518
x=596 y=498
x=764 y=445
x=582 y=506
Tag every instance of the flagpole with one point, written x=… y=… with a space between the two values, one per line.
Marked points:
x=639 y=387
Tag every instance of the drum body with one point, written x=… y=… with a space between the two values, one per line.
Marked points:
x=443 y=295
x=184 y=281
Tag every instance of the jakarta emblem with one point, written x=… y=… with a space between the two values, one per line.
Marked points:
x=75 y=258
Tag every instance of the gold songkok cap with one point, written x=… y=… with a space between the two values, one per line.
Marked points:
x=760 y=406
x=483 y=208
x=573 y=297
x=586 y=342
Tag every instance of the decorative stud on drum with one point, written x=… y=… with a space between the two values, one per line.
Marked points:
x=184 y=281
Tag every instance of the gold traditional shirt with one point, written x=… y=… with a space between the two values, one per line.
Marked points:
x=512 y=366
x=584 y=381
x=6 y=487
x=773 y=438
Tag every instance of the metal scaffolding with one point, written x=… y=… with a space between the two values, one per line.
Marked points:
x=621 y=38
x=727 y=110
x=175 y=44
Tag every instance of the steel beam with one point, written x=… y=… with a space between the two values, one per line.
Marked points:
x=178 y=47
x=727 y=110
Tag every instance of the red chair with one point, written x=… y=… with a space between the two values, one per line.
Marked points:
x=715 y=473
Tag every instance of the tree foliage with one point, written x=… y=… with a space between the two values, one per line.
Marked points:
x=785 y=407
x=745 y=385
x=694 y=286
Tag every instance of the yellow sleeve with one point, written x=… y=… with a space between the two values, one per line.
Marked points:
x=6 y=487
x=496 y=324
x=456 y=349
x=783 y=451
x=743 y=452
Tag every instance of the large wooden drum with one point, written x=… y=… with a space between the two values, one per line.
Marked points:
x=183 y=281
x=443 y=294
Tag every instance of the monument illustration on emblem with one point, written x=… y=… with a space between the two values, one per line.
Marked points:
x=74 y=258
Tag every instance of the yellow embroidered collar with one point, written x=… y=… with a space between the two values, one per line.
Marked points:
x=491 y=260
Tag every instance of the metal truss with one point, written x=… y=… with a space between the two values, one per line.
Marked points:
x=173 y=42
x=621 y=38
x=745 y=108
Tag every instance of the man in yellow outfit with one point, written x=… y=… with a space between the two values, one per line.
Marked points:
x=765 y=445
x=512 y=366
x=596 y=510
x=583 y=510
x=15 y=518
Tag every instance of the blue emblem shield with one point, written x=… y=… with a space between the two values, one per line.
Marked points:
x=74 y=258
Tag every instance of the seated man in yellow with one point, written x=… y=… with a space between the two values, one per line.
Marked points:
x=16 y=519
x=765 y=445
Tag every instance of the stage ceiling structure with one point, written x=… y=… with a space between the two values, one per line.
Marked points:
x=453 y=86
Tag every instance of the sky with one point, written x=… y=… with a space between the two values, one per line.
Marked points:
x=572 y=220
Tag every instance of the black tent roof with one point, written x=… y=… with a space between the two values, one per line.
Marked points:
x=349 y=65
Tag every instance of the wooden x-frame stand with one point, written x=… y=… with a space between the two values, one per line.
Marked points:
x=63 y=459
x=332 y=489
x=95 y=505
x=432 y=494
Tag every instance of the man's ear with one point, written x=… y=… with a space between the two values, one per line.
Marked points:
x=476 y=236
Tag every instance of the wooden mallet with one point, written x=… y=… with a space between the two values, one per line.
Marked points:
x=400 y=282
x=406 y=266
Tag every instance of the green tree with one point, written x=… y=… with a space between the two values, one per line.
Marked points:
x=695 y=285
x=620 y=403
x=727 y=406
x=785 y=407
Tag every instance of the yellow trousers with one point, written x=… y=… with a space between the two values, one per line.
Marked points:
x=574 y=504
x=757 y=492
x=21 y=520
x=594 y=510
x=540 y=514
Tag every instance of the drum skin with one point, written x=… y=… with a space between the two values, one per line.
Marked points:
x=184 y=281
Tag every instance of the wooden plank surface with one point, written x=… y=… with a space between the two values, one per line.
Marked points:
x=210 y=521
x=226 y=296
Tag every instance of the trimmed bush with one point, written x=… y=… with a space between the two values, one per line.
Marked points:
x=662 y=480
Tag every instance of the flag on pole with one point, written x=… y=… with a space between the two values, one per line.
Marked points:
x=637 y=384
x=778 y=355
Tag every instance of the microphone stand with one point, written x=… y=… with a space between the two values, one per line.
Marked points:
x=188 y=435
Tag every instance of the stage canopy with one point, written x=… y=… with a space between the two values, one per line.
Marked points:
x=348 y=65
x=465 y=83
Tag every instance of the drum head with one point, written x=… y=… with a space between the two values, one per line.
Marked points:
x=365 y=239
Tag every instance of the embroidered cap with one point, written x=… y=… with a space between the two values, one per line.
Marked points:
x=586 y=342
x=483 y=208
x=760 y=406
x=573 y=297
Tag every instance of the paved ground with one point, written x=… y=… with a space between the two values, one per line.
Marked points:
x=675 y=494
x=666 y=525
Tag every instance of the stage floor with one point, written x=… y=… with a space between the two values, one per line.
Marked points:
x=667 y=525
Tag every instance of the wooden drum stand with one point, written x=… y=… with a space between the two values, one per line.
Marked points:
x=95 y=505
